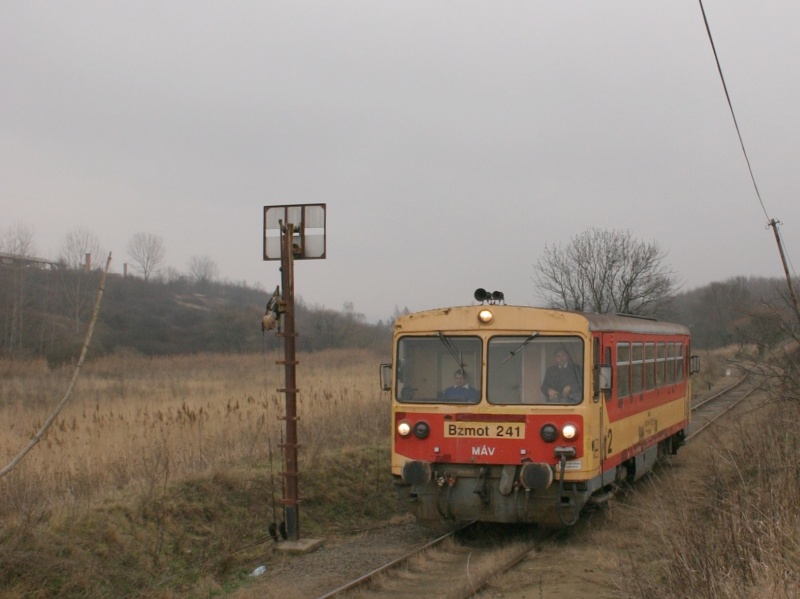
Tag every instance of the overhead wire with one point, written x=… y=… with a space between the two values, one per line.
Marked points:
x=770 y=222
x=733 y=114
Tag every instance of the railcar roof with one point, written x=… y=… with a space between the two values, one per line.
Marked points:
x=594 y=322
x=634 y=324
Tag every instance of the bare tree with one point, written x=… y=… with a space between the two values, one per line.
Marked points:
x=18 y=239
x=606 y=272
x=14 y=300
x=77 y=244
x=146 y=251
x=38 y=436
x=202 y=269
x=719 y=311
x=169 y=274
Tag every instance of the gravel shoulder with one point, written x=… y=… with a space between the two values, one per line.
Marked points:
x=341 y=558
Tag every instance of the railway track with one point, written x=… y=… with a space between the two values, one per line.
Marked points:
x=708 y=409
x=459 y=564
x=456 y=565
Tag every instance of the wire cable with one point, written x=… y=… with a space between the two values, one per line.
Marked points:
x=771 y=223
x=733 y=114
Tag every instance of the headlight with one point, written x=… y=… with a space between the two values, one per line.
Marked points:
x=404 y=429
x=569 y=431
x=485 y=316
x=421 y=429
x=549 y=433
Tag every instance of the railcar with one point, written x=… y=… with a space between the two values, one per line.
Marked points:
x=482 y=432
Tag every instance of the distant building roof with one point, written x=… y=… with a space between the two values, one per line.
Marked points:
x=26 y=261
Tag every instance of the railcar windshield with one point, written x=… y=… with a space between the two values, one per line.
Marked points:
x=535 y=369
x=439 y=369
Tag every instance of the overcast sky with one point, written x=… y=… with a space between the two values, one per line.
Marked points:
x=451 y=141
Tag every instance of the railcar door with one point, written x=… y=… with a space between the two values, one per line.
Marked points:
x=601 y=350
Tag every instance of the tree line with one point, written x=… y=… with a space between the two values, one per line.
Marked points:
x=44 y=311
x=146 y=253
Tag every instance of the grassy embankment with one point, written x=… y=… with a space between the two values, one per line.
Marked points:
x=733 y=530
x=156 y=480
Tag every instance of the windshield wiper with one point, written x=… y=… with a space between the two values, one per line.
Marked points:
x=451 y=348
x=524 y=343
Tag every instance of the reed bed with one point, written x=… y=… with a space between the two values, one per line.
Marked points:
x=136 y=421
x=735 y=533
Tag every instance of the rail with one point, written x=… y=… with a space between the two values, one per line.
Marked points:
x=362 y=580
x=722 y=402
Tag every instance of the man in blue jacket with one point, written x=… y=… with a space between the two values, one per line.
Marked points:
x=461 y=391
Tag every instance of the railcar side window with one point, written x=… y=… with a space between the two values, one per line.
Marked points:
x=637 y=368
x=439 y=369
x=623 y=370
x=525 y=370
x=650 y=366
x=679 y=363
x=661 y=360
x=670 y=363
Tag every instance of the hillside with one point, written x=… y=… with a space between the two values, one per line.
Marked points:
x=45 y=312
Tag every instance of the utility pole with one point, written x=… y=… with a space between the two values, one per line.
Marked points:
x=292 y=232
x=793 y=294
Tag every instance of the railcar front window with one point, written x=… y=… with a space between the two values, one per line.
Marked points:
x=439 y=369
x=535 y=370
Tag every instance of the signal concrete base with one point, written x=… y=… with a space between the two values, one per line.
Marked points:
x=299 y=546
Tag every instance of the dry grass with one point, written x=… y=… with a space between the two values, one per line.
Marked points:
x=132 y=415
x=733 y=530
x=157 y=476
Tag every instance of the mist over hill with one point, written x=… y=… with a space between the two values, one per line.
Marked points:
x=45 y=312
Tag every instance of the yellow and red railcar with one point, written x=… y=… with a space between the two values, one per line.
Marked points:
x=501 y=444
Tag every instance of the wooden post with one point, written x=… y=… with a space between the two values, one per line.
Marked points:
x=792 y=293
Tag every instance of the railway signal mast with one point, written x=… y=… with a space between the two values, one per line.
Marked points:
x=292 y=232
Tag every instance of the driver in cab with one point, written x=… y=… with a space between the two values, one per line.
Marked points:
x=461 y=390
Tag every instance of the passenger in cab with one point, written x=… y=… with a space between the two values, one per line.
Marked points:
x=461 y=390
x=562 y=380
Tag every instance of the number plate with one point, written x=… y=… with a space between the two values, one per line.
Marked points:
x=485 y=430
